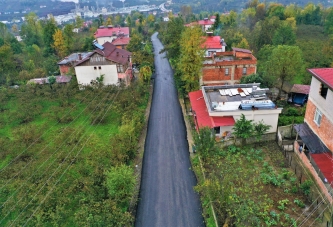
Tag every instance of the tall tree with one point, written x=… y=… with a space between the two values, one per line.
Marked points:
x=59 y=44
x=49 y=28
x=68 y=37
x=191 y=57
x=284 y=64
x=171 y=38
x=31 y=30
x=243 y=128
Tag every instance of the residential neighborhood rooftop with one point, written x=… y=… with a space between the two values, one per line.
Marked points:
x=325 y=75
x=235 y=97
x=111 y=31
x=73 y=58
x=301 y=89
x=213 y=42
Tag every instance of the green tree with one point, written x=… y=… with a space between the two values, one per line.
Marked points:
x=120 y=183
x=217 y=22
x=31 y=30
x=260 y=129
x=284 y=35
x=191 y=57
x=68 y=37
x=145 y=73
x=135 y=43
x=7 y=64
x=243 y=128
x=204 y=142
x=49 y=28
x=171 y=38
x=284 y=64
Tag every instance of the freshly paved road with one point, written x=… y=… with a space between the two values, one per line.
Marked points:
x=167 y=197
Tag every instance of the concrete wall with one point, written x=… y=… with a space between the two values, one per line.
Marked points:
x=85 y=74
x=269 y=117
x=103 y=40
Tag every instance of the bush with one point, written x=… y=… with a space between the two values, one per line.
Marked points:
x=305 y=187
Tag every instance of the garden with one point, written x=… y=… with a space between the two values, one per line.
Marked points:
x=250 y=186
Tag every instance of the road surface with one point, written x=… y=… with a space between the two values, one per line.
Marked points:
x=167 y=197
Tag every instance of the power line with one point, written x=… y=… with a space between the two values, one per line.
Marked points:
x=47 y=144
x=34 y=142
x=63 y=160
x=67 y=166
x=50 y=157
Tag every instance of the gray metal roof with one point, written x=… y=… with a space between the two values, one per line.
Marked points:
x=73 y=58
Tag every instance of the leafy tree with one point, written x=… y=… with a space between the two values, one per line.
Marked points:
x=52 y=80
x=78 y=22
x=31 y=30
x=260 y=129
x=284 y=64
x=204 y=142
x=135 y=43
x=68 y=35
x=171 y=38
x=217 y=22
x=284 y=36
x=243 y=128
x=49 y=28
x=120 y=184
x=191 y=57
x=254 y=78
x=6 y=63
x=59 y=44
x=329 y=23
x=145 y=73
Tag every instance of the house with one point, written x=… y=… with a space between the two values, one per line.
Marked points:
x=121 y=42
x=110 y=33
x=218 y=107
x=205 y=24
x=314 y=140
x=107 y=60
x=228 y=67
x=68 y=62
x=299 y=94
x=166 y=19
x=59 y=80
x=213 y=44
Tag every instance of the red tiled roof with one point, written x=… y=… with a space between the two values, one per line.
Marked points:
x=202 y=117
x=108 y=32
x=205 y=22
x=300 y=88
x=212 y=42
x=112 y=53
x=325 y=75
x=242 y=50
x=121 y=41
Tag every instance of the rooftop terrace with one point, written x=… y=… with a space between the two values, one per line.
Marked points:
x=236 y=97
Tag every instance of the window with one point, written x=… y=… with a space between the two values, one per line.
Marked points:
x=99 y=67
x=317 y=117
x=244 y=70
x=95 y=67
x=323 y=90
x=120 y=68
x=226 y=71
x=217 y=130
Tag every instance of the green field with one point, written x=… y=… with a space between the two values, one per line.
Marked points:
x=56 y=148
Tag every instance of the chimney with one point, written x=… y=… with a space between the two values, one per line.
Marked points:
x=80 y=56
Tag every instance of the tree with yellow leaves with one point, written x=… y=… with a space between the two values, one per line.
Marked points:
x=59 y=43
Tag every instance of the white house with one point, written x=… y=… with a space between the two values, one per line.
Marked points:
x=218 y=107
x=108 y=60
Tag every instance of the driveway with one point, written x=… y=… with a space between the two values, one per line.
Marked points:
x=167 y=197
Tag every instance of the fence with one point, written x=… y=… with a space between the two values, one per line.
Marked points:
x=306 y=169
x=238 y=142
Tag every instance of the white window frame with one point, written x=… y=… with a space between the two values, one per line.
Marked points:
x=227 y=71
x=244 y=70
x=318 y=116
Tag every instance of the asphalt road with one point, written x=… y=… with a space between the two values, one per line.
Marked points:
x=167 y=197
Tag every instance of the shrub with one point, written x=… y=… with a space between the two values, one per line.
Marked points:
x=299 y=203
x=305 y=187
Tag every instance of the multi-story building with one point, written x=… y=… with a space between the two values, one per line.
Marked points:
x=228 y=67
x=110 y=33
